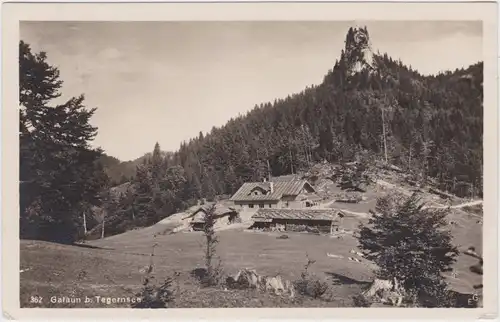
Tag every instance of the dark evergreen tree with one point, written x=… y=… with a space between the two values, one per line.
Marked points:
x=60 y=175
x=408 y=243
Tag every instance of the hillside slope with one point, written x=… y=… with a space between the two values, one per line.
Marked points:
x=432 y=126
x=369 y=107
x=122 y=171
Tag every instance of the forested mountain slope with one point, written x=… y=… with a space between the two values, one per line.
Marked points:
x=433 y=126
x=123 y=171
x=368 y=108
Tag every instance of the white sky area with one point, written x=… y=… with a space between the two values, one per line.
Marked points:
x=167 y=81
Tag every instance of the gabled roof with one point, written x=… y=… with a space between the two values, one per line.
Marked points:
x=278 y=190
x=288 y=177
x=199 y=214
x=303 y=214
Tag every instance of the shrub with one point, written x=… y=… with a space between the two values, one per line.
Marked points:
x=361 y=301
x=214 y=270
x=152 y=295
x=354 y=176
x=309 y=285
x=155 y=296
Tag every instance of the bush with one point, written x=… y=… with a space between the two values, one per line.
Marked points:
x=361 y=301
x=214 y=270
x=155 y=296
x=354 y=176
x=309 y=285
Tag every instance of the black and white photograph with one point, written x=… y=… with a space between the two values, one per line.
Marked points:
x=251 y=164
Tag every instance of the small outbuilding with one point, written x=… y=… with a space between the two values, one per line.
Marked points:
x=320 y=220
x=221 y=213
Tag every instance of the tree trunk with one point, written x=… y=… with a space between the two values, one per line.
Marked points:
x=383 y=133
x=84 y=223
x=268 y=170
x=102 y=232
x=409 y=160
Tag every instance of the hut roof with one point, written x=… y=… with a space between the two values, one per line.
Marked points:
x=301 y=214
x=220 y=211
x=288 y=177
x=276 y=190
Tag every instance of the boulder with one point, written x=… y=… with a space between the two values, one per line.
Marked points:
x=248 y=278
x=385 y=291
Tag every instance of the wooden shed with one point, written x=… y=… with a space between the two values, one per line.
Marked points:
x=322 y=220
x=221 y=213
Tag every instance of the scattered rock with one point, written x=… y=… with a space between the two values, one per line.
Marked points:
x=356 y=252
x=180 y=228
x=247 y=278
x=146 y=269
x=334 y=256
x=385 y=291
x=472 y=252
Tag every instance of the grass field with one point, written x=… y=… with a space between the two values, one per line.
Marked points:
x=111 y=267
x=114 y=269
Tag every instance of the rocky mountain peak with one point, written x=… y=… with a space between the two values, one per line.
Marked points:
x=358 y=54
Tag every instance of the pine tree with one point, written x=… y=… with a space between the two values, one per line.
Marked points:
x=157 y=163
x=173 y=187
x=213 y=265
x=59 y=171
x=408 y=243
x=144 y=201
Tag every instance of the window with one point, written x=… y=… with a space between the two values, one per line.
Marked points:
x=258 y=191
x=270 y=206
x=250 y=205
x=261 y=205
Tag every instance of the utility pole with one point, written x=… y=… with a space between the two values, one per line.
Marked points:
x=291 y=161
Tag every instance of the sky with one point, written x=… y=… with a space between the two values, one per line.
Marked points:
x=167 y=81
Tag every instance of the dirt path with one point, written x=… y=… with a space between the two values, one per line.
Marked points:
x=467 y=204
x=463 y=205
